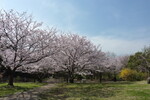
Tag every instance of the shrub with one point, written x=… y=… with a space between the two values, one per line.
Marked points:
x=131 y=75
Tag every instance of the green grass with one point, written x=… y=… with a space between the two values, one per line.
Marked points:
x=106 y=91
x=18 y=87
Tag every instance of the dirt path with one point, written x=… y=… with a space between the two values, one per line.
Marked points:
x=29 y=95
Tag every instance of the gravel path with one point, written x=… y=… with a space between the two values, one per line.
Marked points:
x=29 y=95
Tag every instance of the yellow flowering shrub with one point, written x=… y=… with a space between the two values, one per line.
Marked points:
x=131 y=75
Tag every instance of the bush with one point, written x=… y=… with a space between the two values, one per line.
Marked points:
x=131 y=75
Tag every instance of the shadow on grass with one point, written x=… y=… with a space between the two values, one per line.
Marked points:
x=7 y=90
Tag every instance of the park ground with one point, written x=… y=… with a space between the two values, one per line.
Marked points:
x=84 y=91
x=96 y=91
x=6 y=90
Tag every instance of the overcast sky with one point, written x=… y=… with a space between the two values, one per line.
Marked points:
x=120 y=26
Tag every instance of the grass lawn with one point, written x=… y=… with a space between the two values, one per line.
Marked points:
x=106 y=91
x=18 y=87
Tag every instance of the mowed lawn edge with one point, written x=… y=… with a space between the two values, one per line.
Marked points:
x=95 y=91
x=6 y=90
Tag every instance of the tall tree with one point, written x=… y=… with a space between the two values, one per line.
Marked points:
x=99 y=64
x=146 y=58
x=23 y=41
x=114 y=65
x=76 y=55
x=43 y=69
x=140 y=61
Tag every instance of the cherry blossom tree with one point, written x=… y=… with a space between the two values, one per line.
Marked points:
x=115 y=64
x=77 y=54
x=23 y=41
x=43 y=69
x=124 y=60
x=99 y=64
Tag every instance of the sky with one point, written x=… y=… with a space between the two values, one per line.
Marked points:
x=119 y=26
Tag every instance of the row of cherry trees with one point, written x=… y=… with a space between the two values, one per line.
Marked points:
x=25 y=44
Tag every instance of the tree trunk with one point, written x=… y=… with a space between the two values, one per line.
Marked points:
x=66 y=79
x=115 y=78
x=148 y=80
x=100 y=77
x=148 y=71
x=34 y=80
x=11 y=78
x=71 y=77
x=71 y=80
x=40 y=80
